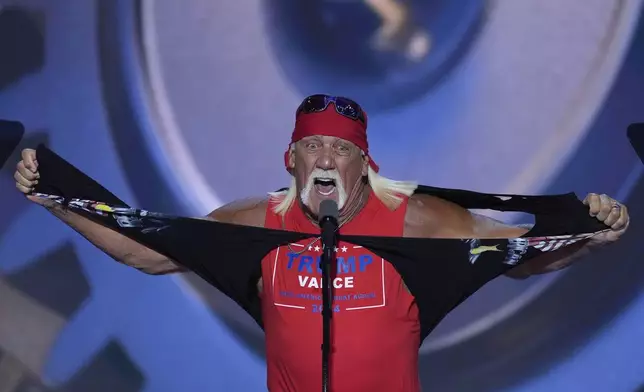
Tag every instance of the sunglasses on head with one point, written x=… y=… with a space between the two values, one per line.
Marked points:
x=320 y=102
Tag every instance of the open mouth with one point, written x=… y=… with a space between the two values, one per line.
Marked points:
x=324 y=186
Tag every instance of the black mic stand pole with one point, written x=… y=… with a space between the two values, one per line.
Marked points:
x=329 y=226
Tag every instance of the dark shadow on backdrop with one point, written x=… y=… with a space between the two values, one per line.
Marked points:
x=11 y=133
x=109 y=371
x=55 y=280
x=22 y=44
x=636 y=137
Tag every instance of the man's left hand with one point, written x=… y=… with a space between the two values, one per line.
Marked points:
x=611 y=213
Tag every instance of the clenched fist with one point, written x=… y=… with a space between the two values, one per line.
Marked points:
x=27 y=175
x=612 y=213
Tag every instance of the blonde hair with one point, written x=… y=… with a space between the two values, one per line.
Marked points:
x=389 y=192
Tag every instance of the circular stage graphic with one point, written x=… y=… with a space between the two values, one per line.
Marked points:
x=223 y=95
x=383 y=53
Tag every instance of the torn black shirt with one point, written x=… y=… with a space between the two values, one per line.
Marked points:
x=440 y=273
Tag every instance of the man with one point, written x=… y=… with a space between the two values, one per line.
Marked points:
x=375 y=323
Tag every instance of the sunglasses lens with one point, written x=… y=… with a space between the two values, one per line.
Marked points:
x=350 y=108
x=314 y=103
x=346 y=108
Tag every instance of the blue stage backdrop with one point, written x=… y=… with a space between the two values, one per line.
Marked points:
x=180 y=106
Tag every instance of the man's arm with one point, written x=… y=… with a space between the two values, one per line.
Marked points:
x=114 y=244
x=249 y=212
x=486 y=227
x=430 y=217
x=117 y=246
x=602 y=207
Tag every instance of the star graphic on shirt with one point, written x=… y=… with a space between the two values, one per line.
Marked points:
x=344 y=248
x=317 y=248
x=310 y=247
x=335 y=249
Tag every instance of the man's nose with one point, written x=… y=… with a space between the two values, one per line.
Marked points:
x=326 y=161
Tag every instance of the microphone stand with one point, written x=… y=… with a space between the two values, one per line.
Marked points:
x=329 y=226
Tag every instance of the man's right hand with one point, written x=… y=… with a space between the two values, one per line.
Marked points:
x=27 y=175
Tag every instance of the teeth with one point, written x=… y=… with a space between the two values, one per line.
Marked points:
x=326 y=193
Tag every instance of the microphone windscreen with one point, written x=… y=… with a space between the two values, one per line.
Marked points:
x=328 y=208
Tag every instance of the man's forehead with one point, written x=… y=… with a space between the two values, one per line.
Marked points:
x=328 y=139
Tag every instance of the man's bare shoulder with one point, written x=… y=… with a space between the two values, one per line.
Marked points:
x=432 y=217
x=248 y=212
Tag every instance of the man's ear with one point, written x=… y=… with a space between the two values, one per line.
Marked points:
x=365 y=165
x=291 y=158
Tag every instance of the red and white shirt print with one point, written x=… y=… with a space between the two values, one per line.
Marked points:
x=358 y=278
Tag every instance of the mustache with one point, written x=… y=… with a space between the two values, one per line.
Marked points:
x=327 y=174
x=324 y=174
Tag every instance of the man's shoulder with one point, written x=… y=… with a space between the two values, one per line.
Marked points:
x=431 y=216
x=249 y=212
x=422 y=204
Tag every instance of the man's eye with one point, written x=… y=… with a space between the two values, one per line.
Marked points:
x=343 y=149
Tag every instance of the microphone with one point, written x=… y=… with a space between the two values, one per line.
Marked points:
x=328 y=221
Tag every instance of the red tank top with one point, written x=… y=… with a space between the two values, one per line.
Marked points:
x=375 y=328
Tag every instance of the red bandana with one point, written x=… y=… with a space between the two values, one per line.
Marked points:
x=330 y=123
